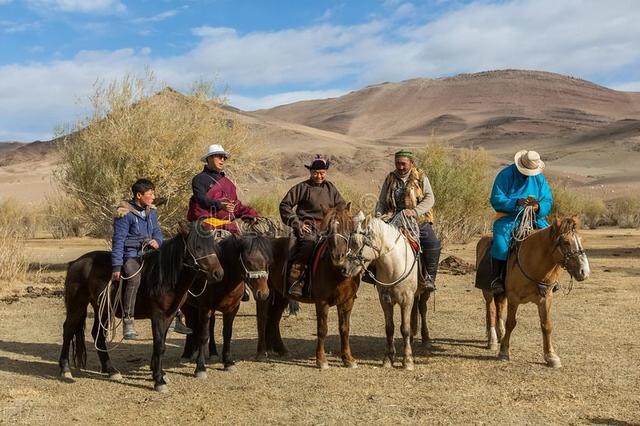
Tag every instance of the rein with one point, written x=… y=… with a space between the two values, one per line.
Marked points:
x=253 y=274
x=360 y=259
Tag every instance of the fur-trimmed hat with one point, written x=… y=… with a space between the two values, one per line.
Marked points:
x=318 y=163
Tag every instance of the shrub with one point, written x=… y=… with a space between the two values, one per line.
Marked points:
x=63 y=219
x=132 y=133
x=626 y=211
x=594 y=211
x=461 y=184
x=13 y=259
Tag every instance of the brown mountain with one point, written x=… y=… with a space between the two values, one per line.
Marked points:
x=589 y=134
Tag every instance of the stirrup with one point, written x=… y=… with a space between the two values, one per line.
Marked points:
x=296 y=288
x=497 y=286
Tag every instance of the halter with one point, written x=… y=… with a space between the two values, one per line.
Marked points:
x=543 y=286
x=358 y=257
x=196 y=266
x=253 y=274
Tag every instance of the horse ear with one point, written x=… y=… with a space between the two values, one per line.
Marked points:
x=366 y=222
x=348 y=207
x=357 y=220
x=576 y=222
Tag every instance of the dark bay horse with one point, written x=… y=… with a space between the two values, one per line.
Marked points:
x=167 y=274
x=533 y=268
x=245 y=260
x=329 y=287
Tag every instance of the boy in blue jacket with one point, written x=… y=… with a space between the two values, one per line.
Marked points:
x=518 y=185
x=135 y=229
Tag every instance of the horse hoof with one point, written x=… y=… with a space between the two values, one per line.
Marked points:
x=115 y=377
x=387 y=363
x=323 y=365
x=504 y=357
x=553 y=360
x=261 y=357
x=66 y=375
x=408 y=366
x=230 y=368
x=492 y=346
x=200 y=375
x=427 y=344
x=351 y=364
x=161 y=388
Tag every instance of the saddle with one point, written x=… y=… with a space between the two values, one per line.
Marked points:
x=484 y=275
x=312 y=254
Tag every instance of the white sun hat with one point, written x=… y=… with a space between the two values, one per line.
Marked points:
x=528 y=162
x=215 y=149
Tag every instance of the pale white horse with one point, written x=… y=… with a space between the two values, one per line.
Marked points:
x=377 y=243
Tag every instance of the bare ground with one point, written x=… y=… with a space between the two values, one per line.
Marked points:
x=457 y=381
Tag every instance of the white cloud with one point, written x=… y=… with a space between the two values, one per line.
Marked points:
x=156 y=18
x=9 y=27
x=631 y=86
x=80 y=6
x=249 y=103
x=576 y=37
x=2 y=2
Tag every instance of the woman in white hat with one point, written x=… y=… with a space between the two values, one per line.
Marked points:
x=516 y=186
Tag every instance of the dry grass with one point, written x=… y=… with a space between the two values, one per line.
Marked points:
x=458 y=381
x=16 y=224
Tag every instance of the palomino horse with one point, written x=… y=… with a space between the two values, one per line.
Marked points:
x=245 y=260
x=533 y=268
x=382 y=245
x=329 y=287
x=167 y=274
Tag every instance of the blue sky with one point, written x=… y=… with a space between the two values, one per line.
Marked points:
x=274 y=52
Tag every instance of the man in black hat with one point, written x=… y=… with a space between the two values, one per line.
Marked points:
x=301 y=209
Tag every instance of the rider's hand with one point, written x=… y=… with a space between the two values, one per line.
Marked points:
x=409 y=212
x=154 y=244
x=115 y=277
x=305 y=229
x=535 y=204
x=522 y=202
x=230 y=207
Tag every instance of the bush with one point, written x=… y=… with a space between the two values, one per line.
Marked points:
x=131 y=133
x=566 y=202
x=63 y=219
x=594 y=212
x=461 y=184
x=13 y=231
x=626 y=212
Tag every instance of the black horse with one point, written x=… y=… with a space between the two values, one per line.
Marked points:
x=167 y=274
x=245 y=259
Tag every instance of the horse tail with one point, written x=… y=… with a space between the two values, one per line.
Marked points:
x=71 y=293
x=78 y=347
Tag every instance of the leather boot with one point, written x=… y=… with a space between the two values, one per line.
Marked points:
x=179 y=325
x=431 y=259
x=128 y=331
x=296 y=281
x=497 y=273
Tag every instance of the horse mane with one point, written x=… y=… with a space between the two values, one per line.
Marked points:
x=563 y=226
x=162 y=267
x=340 y=214
x=259 y=243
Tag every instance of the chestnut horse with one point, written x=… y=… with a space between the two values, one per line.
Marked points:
x=167 y=274
x=245 y=260
x=533 y=268
x=329 y=287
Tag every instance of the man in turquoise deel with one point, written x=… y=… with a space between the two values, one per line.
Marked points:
x=516 y=186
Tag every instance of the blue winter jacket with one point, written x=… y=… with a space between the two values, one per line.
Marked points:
x=510 y=185
x=132 y=228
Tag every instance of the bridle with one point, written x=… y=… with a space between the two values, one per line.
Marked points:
x=567 y=255
x=360 y=259
x=253 y=274
x=196 y=265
